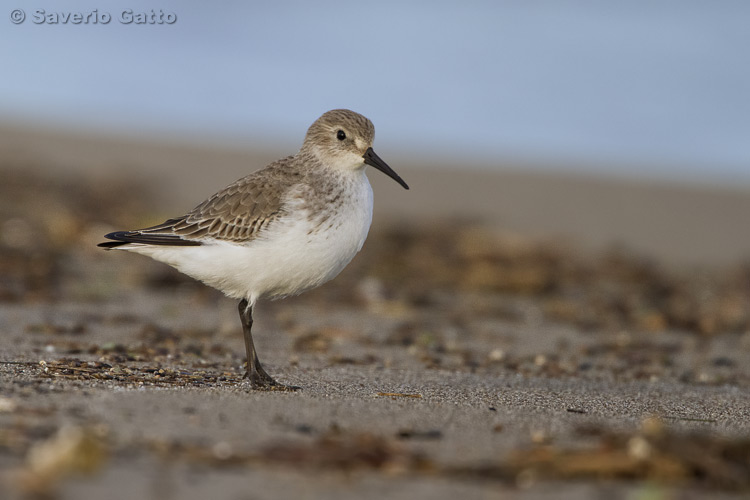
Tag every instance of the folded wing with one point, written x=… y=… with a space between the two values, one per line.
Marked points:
x=237 y=213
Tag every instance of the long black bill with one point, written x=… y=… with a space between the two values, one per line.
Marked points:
x=374 y=160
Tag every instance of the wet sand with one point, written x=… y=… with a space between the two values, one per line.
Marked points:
x=512 y=333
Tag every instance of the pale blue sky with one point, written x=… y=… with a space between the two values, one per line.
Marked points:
x=658 y=85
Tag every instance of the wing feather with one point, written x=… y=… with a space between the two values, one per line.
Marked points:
x=237 y=213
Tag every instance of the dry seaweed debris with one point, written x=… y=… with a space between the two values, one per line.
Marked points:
x=652 y=454
x=76 y=369
x=334 y=450
x=615 y=290
x=348 y=452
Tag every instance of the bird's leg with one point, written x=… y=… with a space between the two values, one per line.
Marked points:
x=253 y=369
x=258 y=377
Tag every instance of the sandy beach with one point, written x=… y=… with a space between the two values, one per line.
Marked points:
x=510 y=333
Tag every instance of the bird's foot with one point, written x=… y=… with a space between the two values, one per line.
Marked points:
x=261 y=381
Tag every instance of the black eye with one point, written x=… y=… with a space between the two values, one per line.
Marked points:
x=340 y=135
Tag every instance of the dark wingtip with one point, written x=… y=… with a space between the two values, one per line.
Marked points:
x=125 y=237
x=117 y=236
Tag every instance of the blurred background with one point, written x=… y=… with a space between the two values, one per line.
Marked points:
x=635 y=89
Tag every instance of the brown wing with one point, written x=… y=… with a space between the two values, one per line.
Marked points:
x=238 y=212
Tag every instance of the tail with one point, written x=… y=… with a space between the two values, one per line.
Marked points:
x=109 y=245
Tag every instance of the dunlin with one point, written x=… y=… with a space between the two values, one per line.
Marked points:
x=281 y=230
